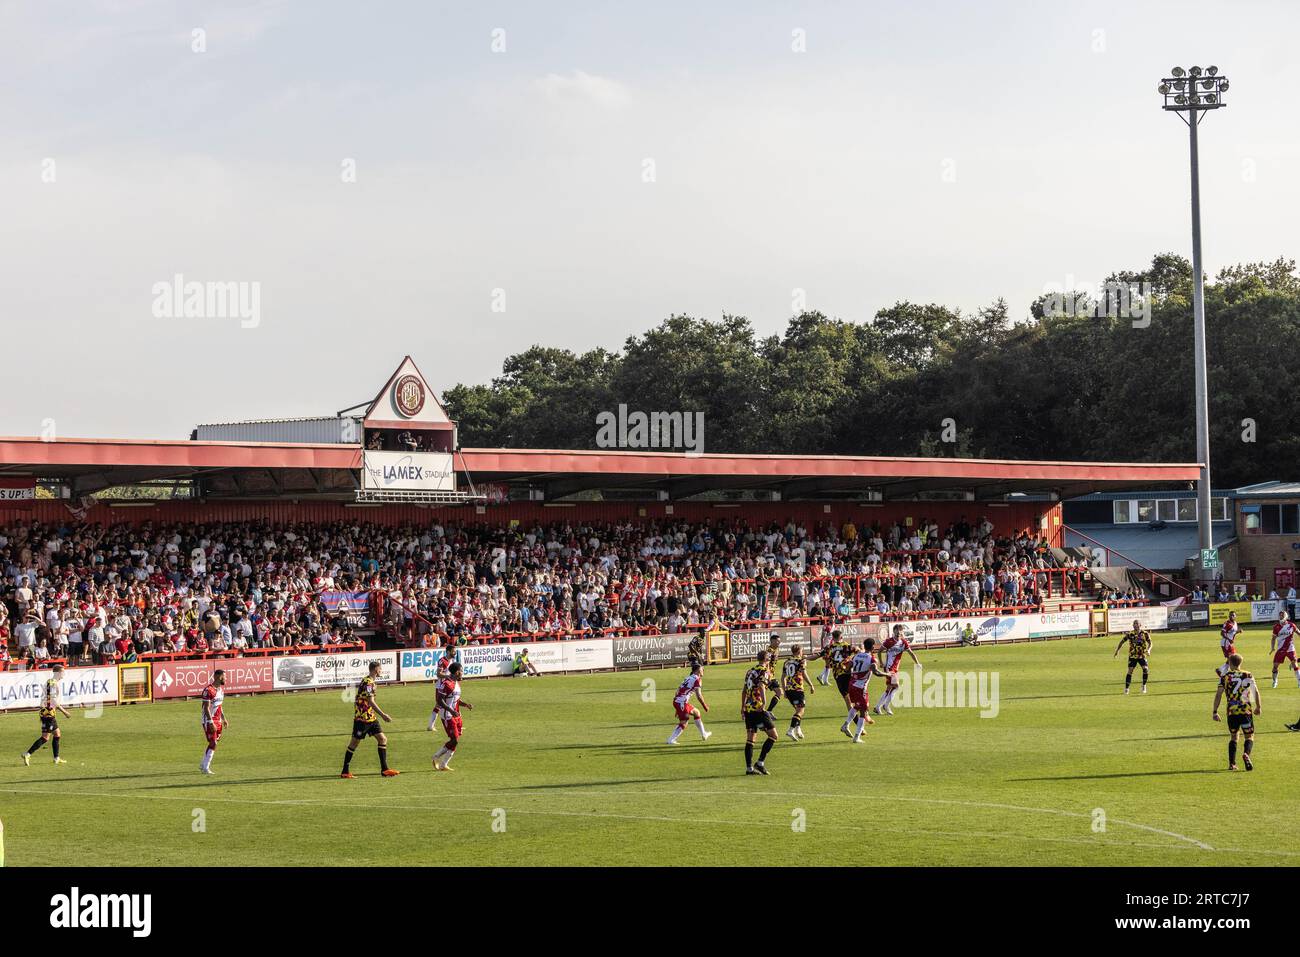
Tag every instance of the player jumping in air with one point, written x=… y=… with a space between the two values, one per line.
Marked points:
x=365 y=724
x=449 y=703
x=1282 y=645
x=794 y=679
x=1243 y=708
x=753 y=708
x=861 y=669
x=687 y=711
x=214 y=720
x=50 y=697
x=892 y=649
x=1139 y=646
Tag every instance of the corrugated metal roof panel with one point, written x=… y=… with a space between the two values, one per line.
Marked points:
x=324 y=430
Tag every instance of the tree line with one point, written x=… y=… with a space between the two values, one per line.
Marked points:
x=1085 y=375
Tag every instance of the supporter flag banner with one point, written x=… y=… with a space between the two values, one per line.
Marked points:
x=1148 y=617
x=408 y=471
x=1265 y=610
x=326 y=671
x=17 y=490
x=1219 y=611
x=640 y=651
x=186 y=679
x=80 y=686
x=353 y=605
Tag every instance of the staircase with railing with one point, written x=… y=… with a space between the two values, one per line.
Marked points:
x=1156 y=584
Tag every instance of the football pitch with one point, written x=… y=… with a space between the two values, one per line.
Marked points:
x=573 y=770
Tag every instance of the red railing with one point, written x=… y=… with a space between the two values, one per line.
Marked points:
x=1129 y=561
x=26 y=664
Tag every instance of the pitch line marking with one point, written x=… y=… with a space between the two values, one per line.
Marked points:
x=290 y=802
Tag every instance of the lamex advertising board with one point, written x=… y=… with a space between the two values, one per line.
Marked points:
x=79 y=687
x=326 y=671
x=185 y=679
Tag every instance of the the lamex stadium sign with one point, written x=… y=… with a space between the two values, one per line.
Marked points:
x=408 y=471
x=79 y=687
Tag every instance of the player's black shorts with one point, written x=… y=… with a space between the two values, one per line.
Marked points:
x=795 y=698
x=49 y=725
x=842 y=682
x=365 y=729
x=1241 y=722
x=759 y=721
x=1134 y=662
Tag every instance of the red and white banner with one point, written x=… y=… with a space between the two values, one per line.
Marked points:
x=17 y=489
x=184 y=679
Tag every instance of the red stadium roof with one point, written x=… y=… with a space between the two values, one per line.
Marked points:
x=266 y=469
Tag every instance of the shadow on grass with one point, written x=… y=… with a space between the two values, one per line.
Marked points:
x=1125 y=774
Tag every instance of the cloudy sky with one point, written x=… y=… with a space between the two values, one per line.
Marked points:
x=459 y=181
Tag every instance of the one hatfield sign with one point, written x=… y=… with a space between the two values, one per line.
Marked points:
x=80 y=686
x=1148 y=617
x=326 y=671
x=185 y=679
x=353 y=605
x=408 y=471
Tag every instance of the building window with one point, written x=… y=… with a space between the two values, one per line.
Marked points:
x=1146 y=510
x=1187 y=510
x=1168 y=510
x=1218 y=510
x=1123 y=511
x=1290 y=519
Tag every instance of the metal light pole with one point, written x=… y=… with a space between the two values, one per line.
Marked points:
x=1190 y=93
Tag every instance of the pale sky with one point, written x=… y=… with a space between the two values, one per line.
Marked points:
x=939 y=152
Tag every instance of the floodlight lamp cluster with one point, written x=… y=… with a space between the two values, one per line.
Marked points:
x=1193 y=89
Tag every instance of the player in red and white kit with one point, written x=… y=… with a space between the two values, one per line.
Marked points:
x=214 y=719
x=1228 y=643
x=892 y=649
x=440 y=675
x=862 y=667
x=1282 y=646
x=449 y=705
x=685 y=710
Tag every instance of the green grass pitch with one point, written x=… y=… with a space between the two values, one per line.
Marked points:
x=574 y=770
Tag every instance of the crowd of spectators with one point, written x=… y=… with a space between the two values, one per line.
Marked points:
x=90 y=592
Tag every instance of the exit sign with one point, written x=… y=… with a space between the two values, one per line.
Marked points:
x=1210 y=558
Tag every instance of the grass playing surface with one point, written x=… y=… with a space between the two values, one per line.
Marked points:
x=574 y=770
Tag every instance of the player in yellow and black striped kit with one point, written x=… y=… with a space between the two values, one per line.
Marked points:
x=753 y=709
x=365 y=724
x=50 y=703
x=1243 y=708
x=795 y=683
x=1139 y=649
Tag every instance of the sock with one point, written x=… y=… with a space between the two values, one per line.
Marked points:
x=699 y=723
x=677 y=732
x=451 y=753
x=796 y=721
x=347 y=758
x=749 y=755
x=35 y=744
x=888 y=697
x=383 y=758
x=433 y=717
x=1144 y=677
x=767 y=746
x=862 y=723
x=850 y=717
x=1128 y=679
x=826 y=672
x=1249 y=746
x=207 y=759
x=1232 y=752
x=54 y=743
x=438 y=756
